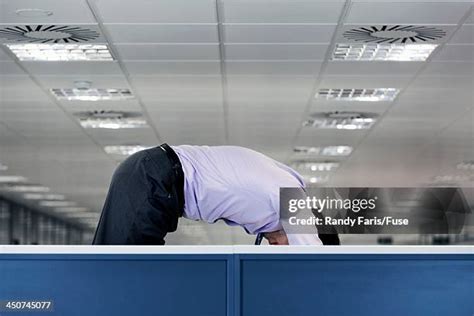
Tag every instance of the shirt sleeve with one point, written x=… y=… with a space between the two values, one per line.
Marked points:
x=306 y=238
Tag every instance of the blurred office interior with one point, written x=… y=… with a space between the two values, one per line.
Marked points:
x=349 y=93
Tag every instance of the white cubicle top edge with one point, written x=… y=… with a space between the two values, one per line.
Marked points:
x=244 y=249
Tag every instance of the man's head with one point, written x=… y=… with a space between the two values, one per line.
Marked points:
x=277 y=237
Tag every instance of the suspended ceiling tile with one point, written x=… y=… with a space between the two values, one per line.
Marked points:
x=63 y=12
x=4 y=56
x=162 y=33
x=123 y=136
x=264 y=11
x=272 y=68
x=278 y=33
x=266 y=88
x=97 y=81
x=173 y=67
x=182 y=106
x=406 y=13
x=316 y=137
x=10 y=68
x=168 y=52
x=275 y=51
x=379 y=68
x=73 y=68
x=189 y=88
x=20 y=88
x=449 y=68
x=470 y=19
x=204 y=133
x=167 y=11
x=456 y=53
x=464 y=35
x=443 y=82
x=361 y=81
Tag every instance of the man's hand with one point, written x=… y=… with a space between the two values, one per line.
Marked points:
x=277 y=237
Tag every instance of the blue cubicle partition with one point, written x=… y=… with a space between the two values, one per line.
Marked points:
x=241 y=284
x=128 y=284
x=362 y=284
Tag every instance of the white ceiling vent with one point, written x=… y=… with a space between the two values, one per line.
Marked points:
x=392 y=34
x=341 y=120
x=48 y=34
x=111 y=119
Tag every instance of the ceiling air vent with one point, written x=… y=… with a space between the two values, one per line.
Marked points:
x=341 y=120
x=392 y=34
x=111 y=119
x=48 y=34
x=388 y=43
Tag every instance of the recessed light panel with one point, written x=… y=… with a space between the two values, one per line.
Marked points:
x=56 y=203
x=124 y=150
x=12 y=179
x=26 y=188
x=71 y=209
x=316 y=179
x=40 y=196
x=92 y=94
x=343 y=120
x=383 y=52
x=61 y=52
x=83 y=215
x=466 y=165
x=366 y=95
x=111 y=119
x=324 y=151
x=315 y=166
x=453 y=179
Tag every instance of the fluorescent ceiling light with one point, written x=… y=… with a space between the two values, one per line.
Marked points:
x=33 y=13
x=343 y=120
x=40 y=196
x=366 y=95
x=92 y=94
x=56 y=203
x=26 y=188
x=70 y=209
x=61 y=52
x=466 y=165
x=12 y=179
x=315 y=166
x=383 y=52
x=316 y=179
x=111 y=119
x=452 y=178
x=113 y=123
x=324 y=151
x=83 y=215
x=124 y=150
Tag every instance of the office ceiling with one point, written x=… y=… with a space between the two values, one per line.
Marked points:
x=241 y=73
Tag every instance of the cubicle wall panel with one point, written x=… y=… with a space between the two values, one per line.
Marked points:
x=357 y=285
x=118 y=285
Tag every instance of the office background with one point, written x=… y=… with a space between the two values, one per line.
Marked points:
x=349 y=93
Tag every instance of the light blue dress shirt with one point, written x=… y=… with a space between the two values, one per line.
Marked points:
x=239 y=186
